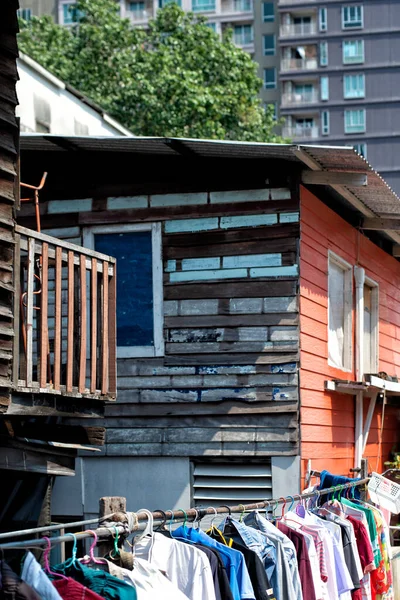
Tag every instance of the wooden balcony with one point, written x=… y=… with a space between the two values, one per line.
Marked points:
x=65 y=318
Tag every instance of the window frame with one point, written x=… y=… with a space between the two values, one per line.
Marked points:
x=323 y=20
x=270 y=87
x=346 y=77
x=158 y=349
x=325 y=131
x=269 y=18
x=352 y=62
x=361 y=20
x=374 y=341
x=324 y=88
x=273 y=47
x=348 y=312
x=324 y=45
x=354 y=110
x=363 y=154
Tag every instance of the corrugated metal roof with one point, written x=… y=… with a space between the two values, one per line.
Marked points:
x=376 y=197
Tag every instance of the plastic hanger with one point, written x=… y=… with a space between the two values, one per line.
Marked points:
x=92 y=558
x=46 y=561
x=149 y=526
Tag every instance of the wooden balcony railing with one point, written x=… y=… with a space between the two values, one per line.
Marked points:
x=65 y=313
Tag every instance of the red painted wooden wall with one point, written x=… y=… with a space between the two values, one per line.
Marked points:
x=327 y=419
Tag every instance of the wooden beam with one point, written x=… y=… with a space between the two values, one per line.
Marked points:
x=381 y=224
x=334 y=178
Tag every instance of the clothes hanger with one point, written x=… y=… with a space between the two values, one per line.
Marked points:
x=149 y=526
x=92 y=558
x=162 y=525
x=71 y=561
x=46 y=561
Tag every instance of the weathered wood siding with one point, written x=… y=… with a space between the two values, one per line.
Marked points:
x=9 y=189
x=327 y=419
x=228 y=383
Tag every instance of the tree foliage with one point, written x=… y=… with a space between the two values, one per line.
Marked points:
x=177 y=78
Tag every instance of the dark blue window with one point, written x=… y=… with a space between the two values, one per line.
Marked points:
x=133 y=252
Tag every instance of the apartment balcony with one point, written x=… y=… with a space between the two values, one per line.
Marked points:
x=236 y=8
x=301 y=133
x=298 y=64
x=293 y=99
x=140 y=16
x=298 y=30
x=65 y=318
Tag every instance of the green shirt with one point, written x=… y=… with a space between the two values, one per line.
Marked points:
x=101 y=582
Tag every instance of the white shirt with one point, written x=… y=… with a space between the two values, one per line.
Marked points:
x=183 y=564
x=33 y=575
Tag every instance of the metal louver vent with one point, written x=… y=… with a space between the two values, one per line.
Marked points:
x=217 y=483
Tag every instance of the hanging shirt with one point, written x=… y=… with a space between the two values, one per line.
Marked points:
x=303 y=560
x=69 y=589
x=221 y=579
x=12 y=587
x=184 y=565
x=101 y=582
x=34 y=576
x=239 y=578
x=289 y=559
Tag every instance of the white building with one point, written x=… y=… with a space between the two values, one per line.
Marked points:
x=48 y=105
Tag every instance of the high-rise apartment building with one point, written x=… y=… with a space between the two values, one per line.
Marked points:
x=329 y=67
x=340 y=76
x=255 y=26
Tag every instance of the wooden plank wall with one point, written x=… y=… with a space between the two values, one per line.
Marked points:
x=327 y=419
x=228 y=383
x=9 y=190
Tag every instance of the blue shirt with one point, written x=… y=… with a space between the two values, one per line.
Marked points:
x=239 y=578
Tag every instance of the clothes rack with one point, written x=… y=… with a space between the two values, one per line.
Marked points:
x=177 y=516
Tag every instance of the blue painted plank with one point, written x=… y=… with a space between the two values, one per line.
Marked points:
x=289 y=217
x=252 y=260
x=171 y=266
x=178 y=199
x=249 y=195
x=125 y=203
x=69 y=206
x=290 y=271
x=208 y=275
x=200 y=264
x=248 y=221
x=206 y=224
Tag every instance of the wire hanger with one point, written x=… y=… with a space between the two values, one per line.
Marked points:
x=46 y=561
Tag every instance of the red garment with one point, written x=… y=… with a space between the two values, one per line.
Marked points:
x=69 y=589
x=363 y=544
x=303 y=560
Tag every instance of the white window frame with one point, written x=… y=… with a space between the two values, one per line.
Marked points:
x=348 y=311
x=324 y=88
x=273 y=47
x=271 y=86
x=325 y=46
x=323 y=19
x=351 y=128
x=158 y=316
x=353 y=96
x=357 y=148
x=374 y=367
x=346 y=28
x=325 y=130
x=360 y=58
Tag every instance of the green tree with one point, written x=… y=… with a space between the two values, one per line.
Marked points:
x=178 y=78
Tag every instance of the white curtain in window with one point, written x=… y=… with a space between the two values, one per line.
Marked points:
x=336 y=315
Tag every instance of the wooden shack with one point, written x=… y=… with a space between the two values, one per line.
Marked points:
x=225 y=250
x=42 y=352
